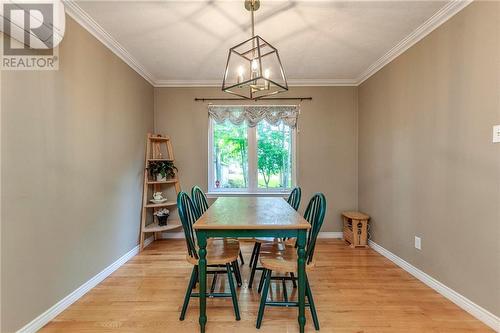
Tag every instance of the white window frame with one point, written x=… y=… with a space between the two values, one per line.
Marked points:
x=253 y=189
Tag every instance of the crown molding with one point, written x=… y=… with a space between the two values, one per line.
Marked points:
x=187 y=83
x=89 y=24
x=440 y=17
x=291 y=82
x=322 y=82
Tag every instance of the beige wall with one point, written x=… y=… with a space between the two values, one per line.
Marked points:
x=427 y=166
x=72 y=144
x=326 y=141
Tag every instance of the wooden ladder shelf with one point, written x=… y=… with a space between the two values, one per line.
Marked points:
x=158 y=148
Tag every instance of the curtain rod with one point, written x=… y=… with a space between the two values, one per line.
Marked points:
x=197 y=99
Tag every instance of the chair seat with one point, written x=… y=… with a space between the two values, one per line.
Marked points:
x=282 y=261
x=219 y=252
x=272 y=247
x=277 y=246
x=264 y=240
x=271 y=240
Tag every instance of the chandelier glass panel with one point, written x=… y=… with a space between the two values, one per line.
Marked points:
x=254 y=68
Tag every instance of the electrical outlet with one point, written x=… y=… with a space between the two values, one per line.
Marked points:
x=496 y=134
x=418 y=243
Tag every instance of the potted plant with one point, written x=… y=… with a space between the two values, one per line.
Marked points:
x=162 y=216
x=161 y=170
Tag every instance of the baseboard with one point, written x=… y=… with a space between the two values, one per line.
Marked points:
x=323 y=234
x=330 y=234
x=63 y=304
x=477 y=311
x=172 y=235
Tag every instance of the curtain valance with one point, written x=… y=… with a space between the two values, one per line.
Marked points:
x=253 y=114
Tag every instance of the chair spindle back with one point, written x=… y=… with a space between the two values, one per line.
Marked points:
x=188 y=215
x=199 y=200
x=315 y=214
x=294 y=198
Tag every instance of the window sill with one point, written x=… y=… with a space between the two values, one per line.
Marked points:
x=247 y=194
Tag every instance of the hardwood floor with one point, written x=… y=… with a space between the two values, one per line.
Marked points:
x=355 y=290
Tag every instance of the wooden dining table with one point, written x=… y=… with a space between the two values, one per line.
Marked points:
x=234 y=217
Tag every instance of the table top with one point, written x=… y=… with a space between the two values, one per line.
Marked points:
x=250 y=213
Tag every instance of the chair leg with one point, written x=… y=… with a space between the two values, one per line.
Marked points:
x=233 y=292
x=262 y=279
x=237 y=273
x=253 y=254
x=285 y=293
x=263 y=298
x=312 y=307
x=214 y=282
x=254 y=266
x=293 y=280
x=192 y=282
x=241 y=258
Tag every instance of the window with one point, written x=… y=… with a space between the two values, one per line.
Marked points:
x=274 y=156
x=250 y=159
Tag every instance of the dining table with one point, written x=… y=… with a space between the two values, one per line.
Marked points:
x=248 y=217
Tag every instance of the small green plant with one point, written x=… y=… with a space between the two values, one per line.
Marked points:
x=166 y=169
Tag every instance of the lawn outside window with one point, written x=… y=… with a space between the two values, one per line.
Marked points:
x=251 y=150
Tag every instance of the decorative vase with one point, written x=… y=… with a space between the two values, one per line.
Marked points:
x=162 y=220
x=160 y=178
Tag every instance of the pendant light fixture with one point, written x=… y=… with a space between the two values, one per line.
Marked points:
x=253 y=68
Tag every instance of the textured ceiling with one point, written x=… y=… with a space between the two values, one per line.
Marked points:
x=318 y=40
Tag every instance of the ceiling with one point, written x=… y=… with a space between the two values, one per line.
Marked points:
x=187 y=42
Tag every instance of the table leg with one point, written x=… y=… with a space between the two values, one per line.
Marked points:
x=202 y=263
x=301 y=261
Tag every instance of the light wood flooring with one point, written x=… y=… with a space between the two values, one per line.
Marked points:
x=355 y=290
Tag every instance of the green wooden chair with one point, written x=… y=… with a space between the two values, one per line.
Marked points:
x=294 y=201
x=221 y=256
x=285 y=262
x=200 y=201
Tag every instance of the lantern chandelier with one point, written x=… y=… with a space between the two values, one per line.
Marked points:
x=253 y=68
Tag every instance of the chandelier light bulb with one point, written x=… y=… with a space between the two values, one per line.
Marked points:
x=240 y=74
x=267 y=74
x=255 y=66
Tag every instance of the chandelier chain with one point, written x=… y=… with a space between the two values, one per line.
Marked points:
x=253 y=23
